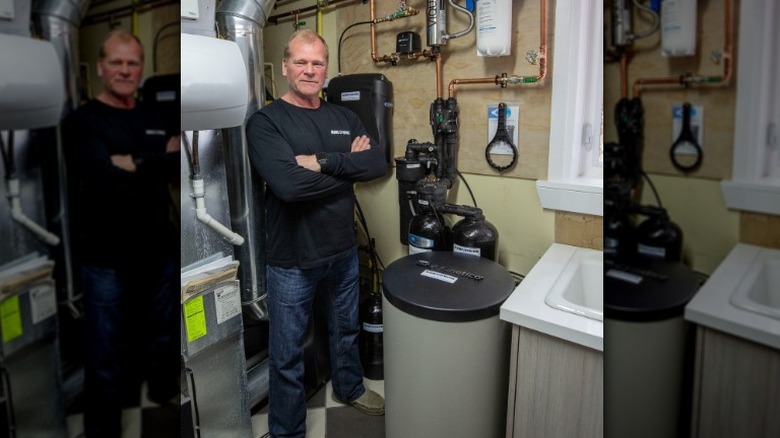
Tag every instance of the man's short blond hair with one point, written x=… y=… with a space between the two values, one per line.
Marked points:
x=123 y=35
x=308 y=36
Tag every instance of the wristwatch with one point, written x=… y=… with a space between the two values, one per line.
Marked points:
x=322 y=159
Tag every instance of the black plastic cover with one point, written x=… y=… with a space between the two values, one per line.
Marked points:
x=663 y=292
x=370 y=95
x=418 y=285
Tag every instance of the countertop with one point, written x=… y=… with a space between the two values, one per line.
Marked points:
x=526 y=307
x=711 y=307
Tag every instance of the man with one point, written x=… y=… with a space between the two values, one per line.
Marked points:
x=310 y=153
x=120 y=164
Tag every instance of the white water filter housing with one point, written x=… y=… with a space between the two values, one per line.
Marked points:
x=494 y=27
x=678 y=27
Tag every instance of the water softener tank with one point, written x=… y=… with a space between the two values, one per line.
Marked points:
x=446 y=349
x=371 y=97
x=429 y=231
x=659 y=238
x=475 y=236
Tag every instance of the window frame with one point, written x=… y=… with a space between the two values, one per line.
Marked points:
x=757 y=113
x=574 y=177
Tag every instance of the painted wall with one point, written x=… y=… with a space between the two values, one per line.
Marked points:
x=509 y=200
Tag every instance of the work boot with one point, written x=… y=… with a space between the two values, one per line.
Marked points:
x=370 y=403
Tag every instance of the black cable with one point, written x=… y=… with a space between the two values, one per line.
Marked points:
x=8 y=155
x=342 y=37
x=154 y=43
x=468 y=187
x=652 y=186
x=187 y=151
x=362 y=219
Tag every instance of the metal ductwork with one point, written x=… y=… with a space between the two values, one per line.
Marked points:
x=58 y=21
x=242 y=21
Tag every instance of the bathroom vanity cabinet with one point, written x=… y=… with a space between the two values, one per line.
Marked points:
x=555 y=387
x=736 y=387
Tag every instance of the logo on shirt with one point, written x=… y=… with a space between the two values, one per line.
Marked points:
x=339 y=132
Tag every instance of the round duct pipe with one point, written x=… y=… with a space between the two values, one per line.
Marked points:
x=242 y=21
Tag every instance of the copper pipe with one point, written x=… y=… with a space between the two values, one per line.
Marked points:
x=542 y=41
x=624 y=75
x=392 y=58
x=693 y=79
x=504 y=80
x=372 y=17
x=275 y=18
x=439 y=75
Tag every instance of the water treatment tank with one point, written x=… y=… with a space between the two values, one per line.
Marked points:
x=446 y=350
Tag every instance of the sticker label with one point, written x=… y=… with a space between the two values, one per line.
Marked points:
x=466 y=250
x=654 y=251
x=195 y=319
x=10 y=318
x=624 y=276
x=350 y=96
x=43 y=303
x=421 y=243
x=227 y=303
x=439 y=276
x=373 y=328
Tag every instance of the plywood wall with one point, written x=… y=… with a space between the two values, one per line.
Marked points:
x=718 y=103
x=414 y=82
x=579 y=230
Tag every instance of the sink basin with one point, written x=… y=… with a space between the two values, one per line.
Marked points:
x=742 y=296
x=562 y=296
x=759 y=288
x=580 y=287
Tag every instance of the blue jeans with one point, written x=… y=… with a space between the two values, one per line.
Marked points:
x=131 y=330
x=290 y=295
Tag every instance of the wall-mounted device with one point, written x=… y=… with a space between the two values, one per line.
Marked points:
x=32 y=88
x=371 y=97
x=407 y=42
x=214 y=91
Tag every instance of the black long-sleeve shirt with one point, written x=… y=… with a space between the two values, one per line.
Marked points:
x=310 y=215
x=118 y=214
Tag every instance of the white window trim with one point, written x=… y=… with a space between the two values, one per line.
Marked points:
x=574 y=184
x=757 y=92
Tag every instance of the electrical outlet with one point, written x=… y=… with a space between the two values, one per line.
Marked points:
x=512 y=122
x=697 y=123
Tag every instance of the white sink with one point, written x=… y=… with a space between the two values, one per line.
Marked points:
x=580 y=287
x=759 y=289
x=562 y=296
x=742 y=296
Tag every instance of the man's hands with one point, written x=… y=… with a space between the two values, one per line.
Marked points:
x=359 y=144
x=126 y=162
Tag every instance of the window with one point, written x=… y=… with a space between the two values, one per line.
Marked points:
x=755 y=184
x=575 y=167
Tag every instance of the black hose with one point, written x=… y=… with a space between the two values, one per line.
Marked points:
x=342 y=37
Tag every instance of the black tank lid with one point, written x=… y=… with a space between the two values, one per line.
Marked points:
x=445 y=286
x=652 y=290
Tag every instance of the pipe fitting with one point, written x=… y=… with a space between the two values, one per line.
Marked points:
x=18 y=215
x=199 y=193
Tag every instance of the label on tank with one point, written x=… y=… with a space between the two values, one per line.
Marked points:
x=624 y=276
x=477 y=252
x=439 y=276
x=227 y=303
x=420 y=244
x=653 y=251
x=350 y=96
x=373 y=328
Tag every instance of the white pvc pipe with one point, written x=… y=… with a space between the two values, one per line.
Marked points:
x=18 y=215
x=198 y=193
